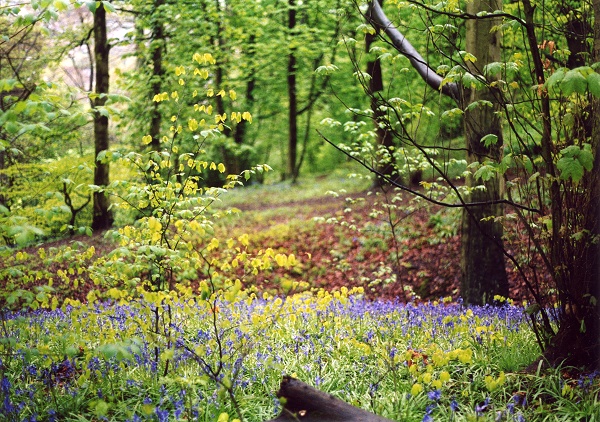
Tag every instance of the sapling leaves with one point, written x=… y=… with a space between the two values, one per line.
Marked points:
x=574 y=162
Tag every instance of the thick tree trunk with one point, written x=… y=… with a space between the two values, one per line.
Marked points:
x=307 y=404
x=385 y=139
x=483 y=272
x=577 y=342
x=102 y=217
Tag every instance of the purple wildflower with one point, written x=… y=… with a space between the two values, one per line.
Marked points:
x=434 y=395
x=480 y=408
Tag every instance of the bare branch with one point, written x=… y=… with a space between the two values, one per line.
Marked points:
x=392 y=182
x=377 y=18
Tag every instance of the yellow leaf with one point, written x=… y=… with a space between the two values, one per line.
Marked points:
x=146 y=139
x=232 y=94
x=193 y=124
x=281 y=260
x=221 y=168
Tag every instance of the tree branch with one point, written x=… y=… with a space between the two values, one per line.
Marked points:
x=419 y=194
x=377 y=18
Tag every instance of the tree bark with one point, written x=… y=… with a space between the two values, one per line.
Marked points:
x=577 y=342
x=307 y=404
x=157 y=47
x=102 y=217
x=385 y=138
x=483 y=271
x=292 y=96
x=482 y=257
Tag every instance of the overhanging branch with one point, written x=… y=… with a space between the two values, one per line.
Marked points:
x=378 y=19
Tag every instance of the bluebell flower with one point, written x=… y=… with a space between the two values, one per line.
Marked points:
x=427 y=417
x=480 y=408
x=162 y=415
x=454 y=405
x=434 y=395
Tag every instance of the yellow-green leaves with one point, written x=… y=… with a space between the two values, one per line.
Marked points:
x=205 y=58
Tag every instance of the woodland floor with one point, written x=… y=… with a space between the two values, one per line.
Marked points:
x=333 y=255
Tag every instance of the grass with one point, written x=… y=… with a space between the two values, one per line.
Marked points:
x=406 y=362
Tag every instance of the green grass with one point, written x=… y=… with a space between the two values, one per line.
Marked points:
x=404 y=362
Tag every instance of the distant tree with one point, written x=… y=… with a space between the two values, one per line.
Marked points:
x=102 y=215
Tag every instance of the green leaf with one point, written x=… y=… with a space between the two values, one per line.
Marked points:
x=574 y=81
x=570 y=168
x=489 y=139
x=492 y=69
x=555 y=78
x=108 y=7
x=61 y=5
x=574 y=162
x=102 y=156
x=92 y=5
x=452 y=113
x=471 y=81
x=485 y=172
x=593 y=80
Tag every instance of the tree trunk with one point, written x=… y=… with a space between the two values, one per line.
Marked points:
x=307 y=404
x=102 y=217
x=157 y=47
x=577 y=342
x=483 y=272
x=292 y=96
x=385 y=138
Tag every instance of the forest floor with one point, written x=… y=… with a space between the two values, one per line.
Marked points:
x=338 y=240
x=334 y=254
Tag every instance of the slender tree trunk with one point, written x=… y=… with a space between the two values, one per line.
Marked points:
x=157 y=47
x=102 y=217
x=483 y=272
x=292 y=96
x=243 y=159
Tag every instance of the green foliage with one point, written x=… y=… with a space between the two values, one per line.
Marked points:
x=36 y=199
x=574 y=161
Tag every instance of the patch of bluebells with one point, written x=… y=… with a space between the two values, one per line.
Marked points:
x=585 y=382
x=308 y=340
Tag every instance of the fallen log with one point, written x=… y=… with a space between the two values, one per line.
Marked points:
x=307 y=404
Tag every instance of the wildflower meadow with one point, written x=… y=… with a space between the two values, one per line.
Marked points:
x=408 y=362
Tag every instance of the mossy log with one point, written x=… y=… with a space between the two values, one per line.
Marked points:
x=307 y=404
